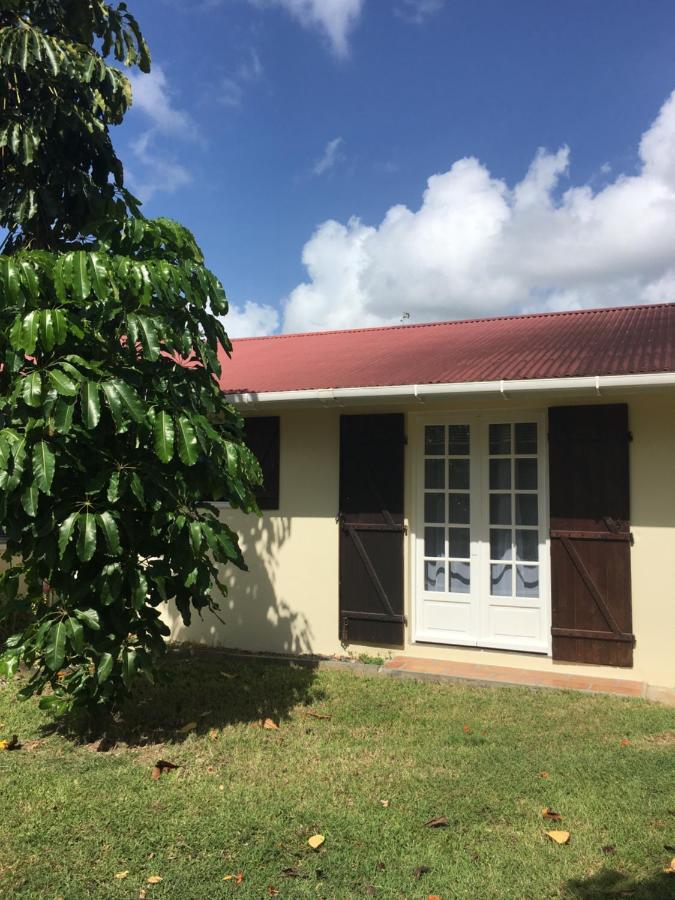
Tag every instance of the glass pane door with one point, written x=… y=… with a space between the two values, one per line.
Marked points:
x=447 y=577
x=513 y=612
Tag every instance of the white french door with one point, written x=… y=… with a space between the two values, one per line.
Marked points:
x=480 y=532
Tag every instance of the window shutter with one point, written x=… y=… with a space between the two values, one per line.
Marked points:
x=590 y=534
x=262 y=436
x=371 y=529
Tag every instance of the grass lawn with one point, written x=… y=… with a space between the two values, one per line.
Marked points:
x=246 y=799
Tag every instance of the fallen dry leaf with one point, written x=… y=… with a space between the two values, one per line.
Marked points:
x=238 y=878
x=467 y=729
x=385 y=803
x=433 y=897
x=560 y=837
x=542 y=775
x=670 y=870
x=319 y=715
x=121 y=875
x=142 y=894
x=11 y=744
x=421 y=870
x=624 y=742
x=186 y=729
x=548 y=813
x=154 y=879
x=437 y=822
x=270 y=725
x=227 y=675
x=271 y=890
x=213 y=734
x=316 y=841
x=228 y=877
x=161 y=766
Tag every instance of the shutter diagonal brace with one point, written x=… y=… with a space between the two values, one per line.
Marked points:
x=361 y=550
x=588 y=581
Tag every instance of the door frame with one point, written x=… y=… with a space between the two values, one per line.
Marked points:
x=479 y=515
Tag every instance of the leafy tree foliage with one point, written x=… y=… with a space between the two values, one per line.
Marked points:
x=113 y=429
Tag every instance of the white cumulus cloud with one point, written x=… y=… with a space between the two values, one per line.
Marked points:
x=478 y=246
x=418 y=11
x=250 y=320
x=333 y=18
x=154 y=97
x=332 y=154
x=154 y=167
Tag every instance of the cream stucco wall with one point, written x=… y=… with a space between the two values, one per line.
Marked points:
x=288 y=601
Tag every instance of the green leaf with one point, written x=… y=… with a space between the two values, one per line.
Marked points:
x=32 y=389
x=123 y=403
x=86 y=544
x=163 y=436
x=149 y=337
x=188 y=448
x=75 y=634
x=80 y=282
x=130 y=401
x=66 y=530
x=47 y=333
x=62 y=384
x=90 y=618
x=29 y=500
x=90 y=404
x=137 y=488
x=140 y=590
x=44 y=465
x=104 y=668
x=60 y=326
x=56 y=648
x=63 y=415
x=98 y=272
x=196 y=536
x=114 y=402
x=128 y=666
x=30 y=331
x=16 y=334
x=114 y=488
x=112 y=537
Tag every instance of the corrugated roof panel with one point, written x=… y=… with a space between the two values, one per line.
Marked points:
x=620 y=341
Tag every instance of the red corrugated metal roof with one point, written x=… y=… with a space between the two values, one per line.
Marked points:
x=621 y=341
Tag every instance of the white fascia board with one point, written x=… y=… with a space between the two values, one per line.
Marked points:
x=392 y=393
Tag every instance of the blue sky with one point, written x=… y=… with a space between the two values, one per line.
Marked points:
x=279 y=130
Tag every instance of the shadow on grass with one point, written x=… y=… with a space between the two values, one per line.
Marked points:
x=609 y=884
x=208 y=688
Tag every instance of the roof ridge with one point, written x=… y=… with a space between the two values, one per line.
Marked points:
x=471 y=321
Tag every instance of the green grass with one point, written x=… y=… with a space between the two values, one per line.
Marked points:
x=246 y=799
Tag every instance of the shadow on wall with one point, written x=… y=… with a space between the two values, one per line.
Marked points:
x=610 y=883
x=254 y=616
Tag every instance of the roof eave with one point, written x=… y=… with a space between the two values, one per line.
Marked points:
x=595 y=384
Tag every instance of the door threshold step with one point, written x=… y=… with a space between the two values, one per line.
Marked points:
x=438 y=669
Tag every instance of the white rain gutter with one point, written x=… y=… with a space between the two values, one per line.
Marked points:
x=595 y=384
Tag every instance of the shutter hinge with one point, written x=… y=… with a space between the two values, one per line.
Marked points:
x=631 y=537
x=630 y=436
x=345 y=630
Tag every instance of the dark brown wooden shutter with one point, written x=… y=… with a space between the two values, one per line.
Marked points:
x=262 y=436
x=590 y=534
x=371 y=529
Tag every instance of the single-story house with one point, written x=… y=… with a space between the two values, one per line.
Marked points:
x=499 y=491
